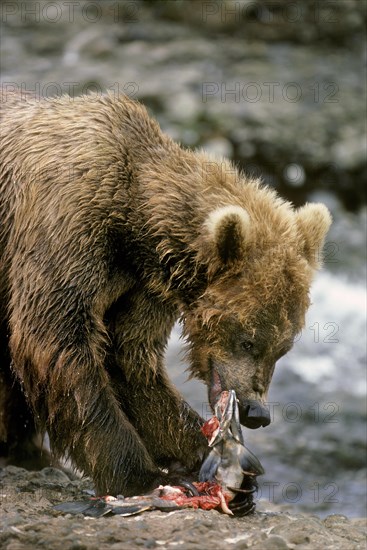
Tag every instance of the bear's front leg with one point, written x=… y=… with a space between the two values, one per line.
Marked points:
x=170 y=428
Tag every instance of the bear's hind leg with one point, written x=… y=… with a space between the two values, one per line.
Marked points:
x=20 y=444
x=70 y=389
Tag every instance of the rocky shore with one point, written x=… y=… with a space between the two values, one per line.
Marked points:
x=29 y=521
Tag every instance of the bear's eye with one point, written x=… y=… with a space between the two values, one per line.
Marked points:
x=246 y=345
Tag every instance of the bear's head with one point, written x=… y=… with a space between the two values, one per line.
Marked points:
x=260 y=259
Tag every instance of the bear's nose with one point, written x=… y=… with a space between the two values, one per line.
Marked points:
x=253 y=414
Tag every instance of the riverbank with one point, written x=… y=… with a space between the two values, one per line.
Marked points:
x=29 y=521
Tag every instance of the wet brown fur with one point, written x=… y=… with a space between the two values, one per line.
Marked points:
x=107 y=236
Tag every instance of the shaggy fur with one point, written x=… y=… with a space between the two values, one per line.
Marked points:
x=109 y=232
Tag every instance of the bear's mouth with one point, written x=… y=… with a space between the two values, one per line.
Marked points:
x=215 y=388
x=253 y=413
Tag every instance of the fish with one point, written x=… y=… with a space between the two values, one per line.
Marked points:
x=165 y=498
x=227 y=476
x=230 y=464
x=96 y=507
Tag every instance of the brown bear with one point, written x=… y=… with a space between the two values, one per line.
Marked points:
x=109 y=233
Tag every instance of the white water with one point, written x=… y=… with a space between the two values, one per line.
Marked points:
x=331 y=350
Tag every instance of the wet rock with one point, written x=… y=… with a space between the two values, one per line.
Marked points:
x=303 y=21
x=335 y=519
x=13 y=472
x=242 y=545
x=275 y=542
x=298 y=538
x=54 y=475
x=150 y=543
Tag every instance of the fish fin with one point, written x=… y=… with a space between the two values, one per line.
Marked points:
x=249 y=462
x=98 y=510
x=130 y=509
x=87 y=508
x=209 y=467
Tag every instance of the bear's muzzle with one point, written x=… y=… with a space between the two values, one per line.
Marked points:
x=253 y=414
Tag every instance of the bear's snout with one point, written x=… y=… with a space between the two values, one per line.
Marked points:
x=253 y=414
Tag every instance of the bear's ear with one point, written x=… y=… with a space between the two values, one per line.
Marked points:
x=313 y=222
x=229 y=228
